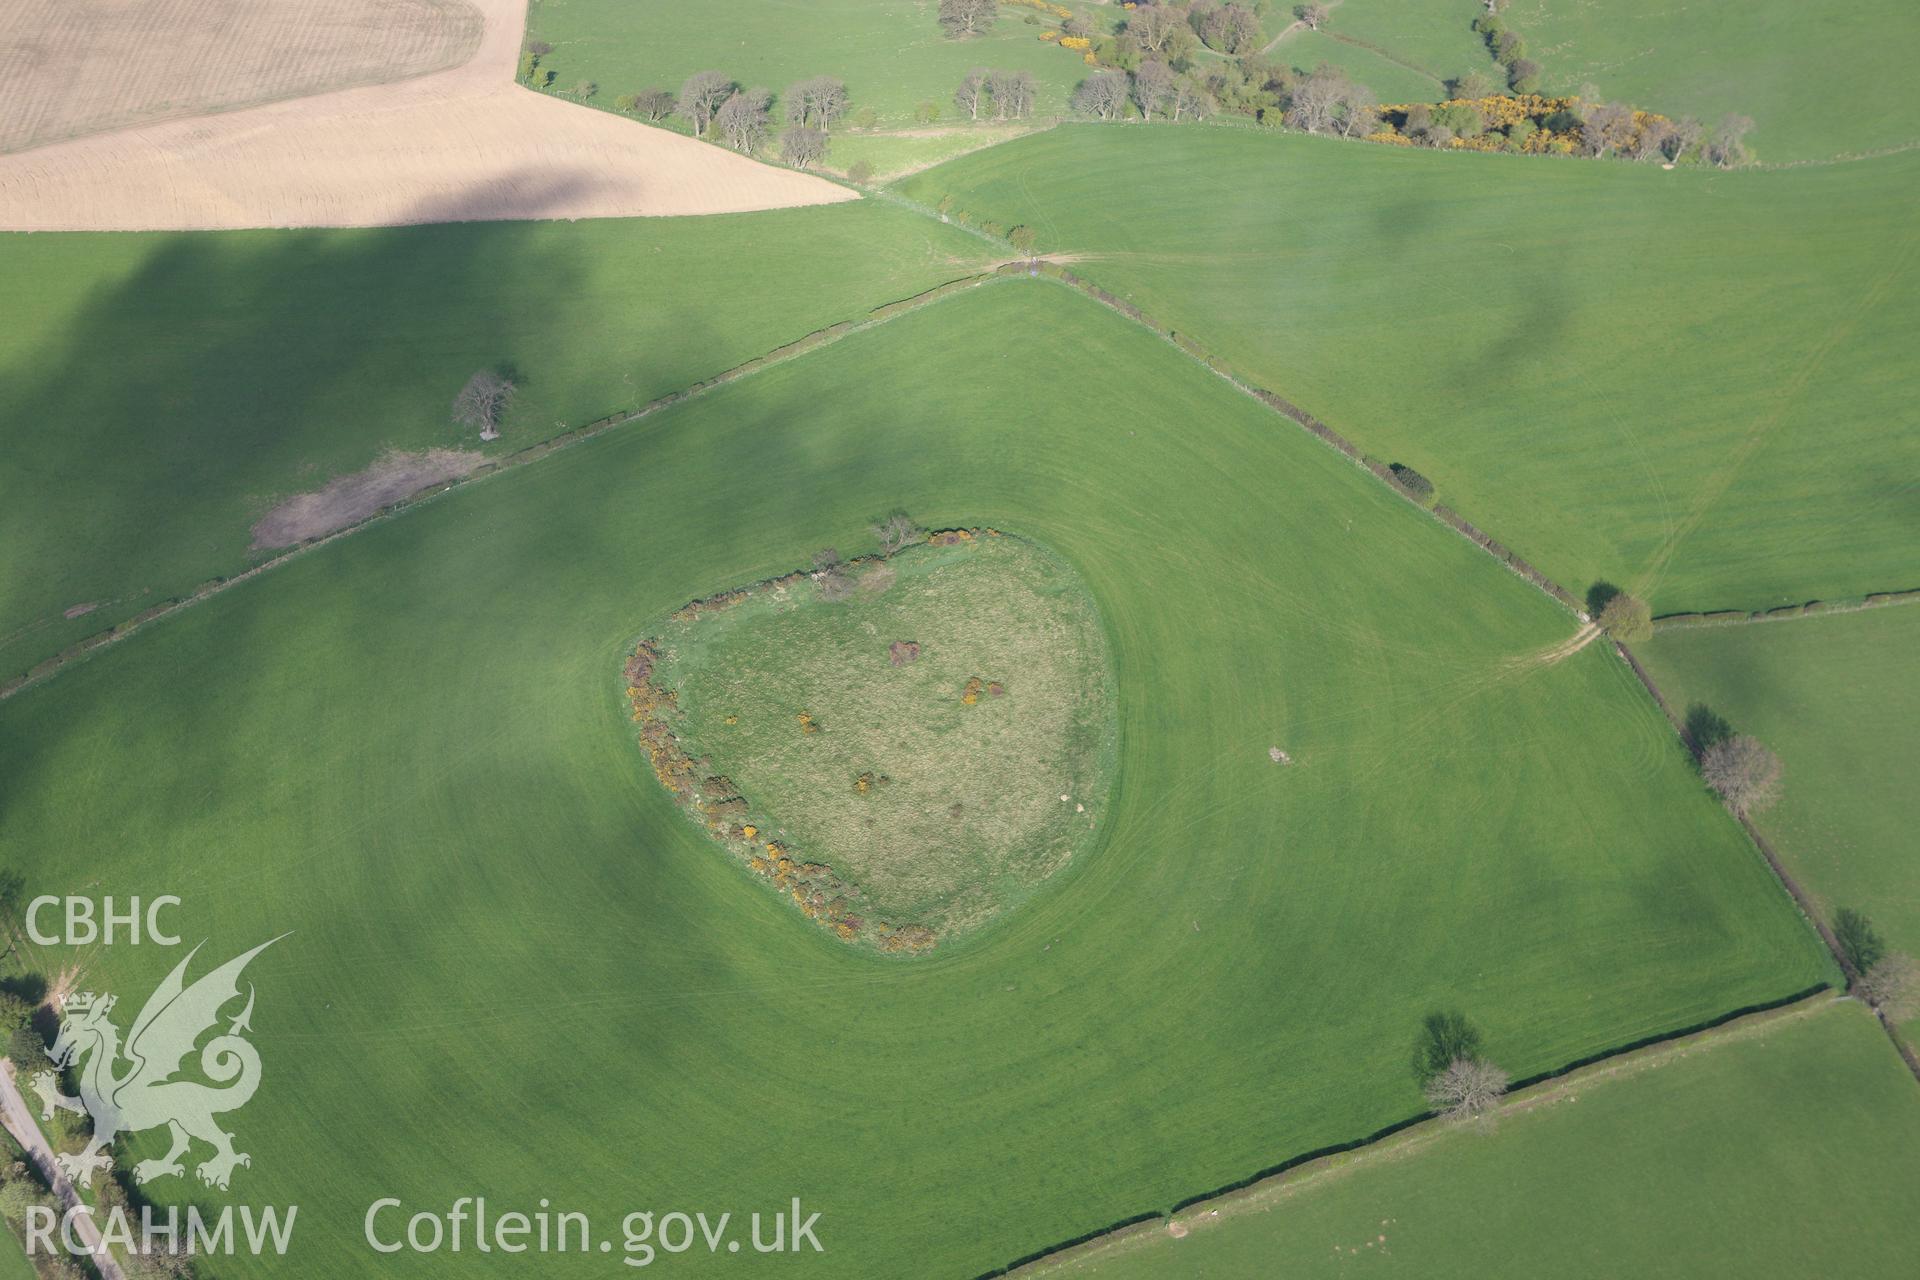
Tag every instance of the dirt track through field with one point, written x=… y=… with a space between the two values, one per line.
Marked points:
x=465 y=144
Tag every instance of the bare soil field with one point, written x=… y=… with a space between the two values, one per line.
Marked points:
x=464 y=144
x=352 y=498
x=75 y=67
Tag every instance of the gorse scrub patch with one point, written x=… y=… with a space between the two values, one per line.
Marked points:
x=905 y=746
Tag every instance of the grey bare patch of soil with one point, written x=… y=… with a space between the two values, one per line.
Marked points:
x=349 y=499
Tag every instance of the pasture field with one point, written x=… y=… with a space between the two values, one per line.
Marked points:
x=1437 y=36
x=1787 y=1151
x=164 y=390
x=896 y=153
x=517 y=970
x=1838 y=699
x=13 y=1258
x=1392 y=81
x=1681 y=382
x=1817 y=82
x=74 y=67
x=891 y=53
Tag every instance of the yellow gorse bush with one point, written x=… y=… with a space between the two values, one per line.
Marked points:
x=1503 y=111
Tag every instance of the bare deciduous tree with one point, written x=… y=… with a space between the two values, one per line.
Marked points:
x=1230 y=29
x=961 y=19
x=1359 y=112
x=742 y=119
x=1893 y=987
x=1728 y=145
x=1192 y=100
x=1686 y=132
x=1626 y=618
x=654 y=104
x=972 y=93
x=1319 y=101
x=1467 y=1088
x=820 y=102
x=803 y=147
x=1311 y=14
x=702 y=95
x=1152 y=88
x=1152 y=26
x=897 y=532
x=483 y=402
x=1013 y=94
x=1103 y=95
x=1651 y=138
x=1743 y=773
x=1608 y=126
x=830 y=575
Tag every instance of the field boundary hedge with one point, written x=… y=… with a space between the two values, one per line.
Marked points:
x=49 y=667
x=1260 y=1189
x=1784 y=613
x=1801 y=898
x=1440 y=511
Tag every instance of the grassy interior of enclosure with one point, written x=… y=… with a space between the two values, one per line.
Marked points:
x=1682 y=382
x=1818 y=81
x=164 y=390
x=1837 y=698
x=947 y=781
x=411 y=749
x=84 y=66
x=1733 y=1159
x=892 y=54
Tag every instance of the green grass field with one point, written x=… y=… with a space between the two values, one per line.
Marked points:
x=13 y=1258
x=1390 y=80
x=891 y=53
x=1838 y=698
x=1435 y=35
x=165 y=389
x=1791 y=1152
x=906 y=151
x=1817 y=81
x=1681 y=381
x=516 y=970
